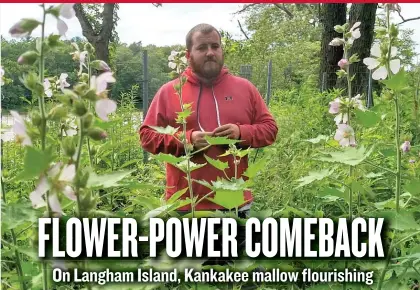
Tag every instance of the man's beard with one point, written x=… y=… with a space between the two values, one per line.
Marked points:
x=209 y=70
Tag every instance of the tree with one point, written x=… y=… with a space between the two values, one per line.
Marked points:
x=331 y=15
x=366 y=14
x=99 y=34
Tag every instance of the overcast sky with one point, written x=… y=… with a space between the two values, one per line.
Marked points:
x=165 y=25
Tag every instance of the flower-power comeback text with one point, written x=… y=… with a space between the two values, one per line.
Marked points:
x=193 y=238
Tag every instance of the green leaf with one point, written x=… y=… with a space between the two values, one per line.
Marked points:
x=228 y=194
x=318 y=139
x=169 y=158
x=220 y=140
x=16 y=214
x=349 y=155
x=107 y=180
x=397 y=82
x=254 y=168
x=332 y=194
x=217 y=163
x=403 y=221
x=413 y=187
x=177 y=195
x=168 y=130
x=193 y=166
x=367 y=118
x=314 y=175
x=35 y=163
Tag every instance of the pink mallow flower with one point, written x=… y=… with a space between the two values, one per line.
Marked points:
x=335 y=106
x=343 y=63
x=104 y=106
x=345 y=135
x=405 y=147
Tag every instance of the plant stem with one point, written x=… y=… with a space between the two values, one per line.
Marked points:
x=43 y=129
x=12 y=232
x=397 y=145
x=187 y=150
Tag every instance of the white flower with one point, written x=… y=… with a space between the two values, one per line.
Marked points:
x=61 y=177
x=357 y=100
x=104 y=107
x=19 y=128
x=173 y=55
x=1 y=76
x=373 y=62
x=62 y=82
x=101 y=82
x=345 y=135
x=337 y=42
x=66 y=11
x=355 y=32
x=172 y=65
x=341 y=118
x=47 y=88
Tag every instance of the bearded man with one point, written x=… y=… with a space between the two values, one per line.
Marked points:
x=222 y=105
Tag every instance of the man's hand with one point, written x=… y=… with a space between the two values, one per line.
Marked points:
x=197 y=139
x=230 y=131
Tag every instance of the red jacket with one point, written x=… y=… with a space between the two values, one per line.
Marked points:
x=239 y=103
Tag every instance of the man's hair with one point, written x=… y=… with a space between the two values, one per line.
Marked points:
x=203 y=28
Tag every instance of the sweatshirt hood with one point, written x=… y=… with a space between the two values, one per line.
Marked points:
x=193 y=79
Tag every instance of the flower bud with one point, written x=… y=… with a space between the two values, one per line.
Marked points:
x=79 y=108
x=81 y=179
x=29 y=57
x=57 y=113
x=69 y=146
x=89 y=48
x=100 y=65
x=173 y=75
x=354 y=58
x=93 y=151
x=393 y=31
x=341 y=73
x=343 y=63
x=24 y=27
x=90 y=95
x=339 y=28
x=97 y=133
x=87 y=120
x=53 y=40
x=36 y=118
x=80 y=88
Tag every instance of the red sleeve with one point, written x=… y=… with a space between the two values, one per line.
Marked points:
x=153 y=141
x=263 y=130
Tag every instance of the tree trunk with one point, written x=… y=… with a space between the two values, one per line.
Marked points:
x=366 y=14
x=332 y=14
x=100 y=41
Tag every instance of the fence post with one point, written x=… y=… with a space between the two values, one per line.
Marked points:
x=324 y=77
x=145 y=96
x=369 y=102
x=269 y=82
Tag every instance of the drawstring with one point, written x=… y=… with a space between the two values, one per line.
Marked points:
x=198 y=108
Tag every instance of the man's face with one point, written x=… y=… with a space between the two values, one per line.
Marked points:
x=206 y=55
